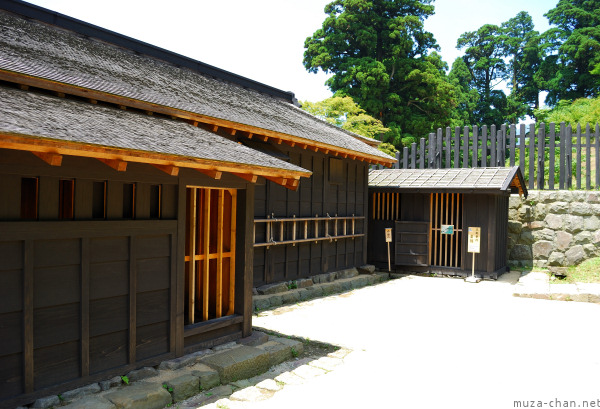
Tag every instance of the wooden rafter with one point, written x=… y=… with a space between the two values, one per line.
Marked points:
x=125 y=102
x=168 y=169
x=247 y=176
x=116 y=164
x=52 y=159
x=215 y=174
x=67 y=148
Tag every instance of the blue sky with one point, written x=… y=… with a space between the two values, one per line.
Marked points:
x=264 y=39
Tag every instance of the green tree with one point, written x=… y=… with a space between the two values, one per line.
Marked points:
x=484 y=58
x=467 y=95
x=379 y=54
x=342 y=111
x=521 y=45
x=570 y=69
x=581 y=111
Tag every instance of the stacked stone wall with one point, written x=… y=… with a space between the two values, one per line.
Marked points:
x=553 y=228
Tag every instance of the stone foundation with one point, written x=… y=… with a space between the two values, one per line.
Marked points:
x=553 y=229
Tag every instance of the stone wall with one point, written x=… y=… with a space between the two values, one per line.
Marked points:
x=553 y=228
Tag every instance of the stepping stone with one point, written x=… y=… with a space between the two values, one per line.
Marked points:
x=326 y=363
x=183 y=387
x=308 y=372
x=238 y=363
x=140 y=396
x=289 y=378
x=257 y=338
x=251 y=394
x=291 y=343
x=209 y=378
x=278 y=352
x=90 y=402
x=270 y=385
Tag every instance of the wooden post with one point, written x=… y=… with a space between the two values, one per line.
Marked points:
x=493 y=148
x=484 y=146
x=578 y=152
x=597 y=146
x=540 y=156
x=192 y=251
x=522 y=148
x=448 y=138
x=552 y=149
x=413 y=155
x=431 y=151
x=457 y=147
x=569 y=157
x=439 y=149
x=562 y=149
x=422 y=154
x=475 y=146
x=232 y=264
x=465 y=163
x=531 y=155
x=405 y=157
x=588 y=157
x=205 y=253
x=512 y=144
x=219 y=286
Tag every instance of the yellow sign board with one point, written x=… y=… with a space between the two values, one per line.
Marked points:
x=388 y=235
x=474 y=243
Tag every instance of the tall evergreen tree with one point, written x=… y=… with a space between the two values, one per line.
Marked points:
x=570 y=69
x=379 y=54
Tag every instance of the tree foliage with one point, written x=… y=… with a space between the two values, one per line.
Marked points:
x=570 y=69
x=580 y=111
x=380 y=54
x=342 y=111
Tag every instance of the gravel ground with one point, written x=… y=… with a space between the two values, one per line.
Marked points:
x=421 y=342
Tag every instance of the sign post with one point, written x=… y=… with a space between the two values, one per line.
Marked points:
x=474 y=246
x=388 y=240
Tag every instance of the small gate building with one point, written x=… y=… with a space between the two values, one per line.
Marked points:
x=430 y=211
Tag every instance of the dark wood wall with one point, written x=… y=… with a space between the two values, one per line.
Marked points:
x=88 y=298
x=327 y=191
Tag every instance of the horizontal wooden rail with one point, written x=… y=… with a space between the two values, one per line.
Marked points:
x=327 y=227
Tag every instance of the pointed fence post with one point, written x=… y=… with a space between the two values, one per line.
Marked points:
x=457 y=147
x=531 y=156
x=540 y=157
x=484 y=146
x=551 y=155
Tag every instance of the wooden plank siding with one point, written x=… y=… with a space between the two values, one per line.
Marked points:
x=87 y=298
x=320 y=195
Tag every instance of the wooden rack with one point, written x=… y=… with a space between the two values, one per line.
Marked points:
x=292 y=230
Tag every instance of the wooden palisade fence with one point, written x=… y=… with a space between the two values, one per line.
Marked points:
x=575 y=160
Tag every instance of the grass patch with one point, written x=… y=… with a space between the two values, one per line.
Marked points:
x=586 y=272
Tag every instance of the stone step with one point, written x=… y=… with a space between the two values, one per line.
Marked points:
x=238 y=363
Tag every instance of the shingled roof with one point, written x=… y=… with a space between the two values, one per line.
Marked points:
x=79 y=126
x=468 y=180
x=46 y=56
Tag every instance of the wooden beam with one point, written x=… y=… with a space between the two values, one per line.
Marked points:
x=265 y=138
x=52 y=159
x=279 y=140
x=247 y=176
x=290 y=143
x=116 y=164
x=125 y=102
x=278 y=180
x=215 y=174
x=206 y=251
x=231 y=131
x=67 y=148
x=214 y=128
x=250 y=134
x=168 y=169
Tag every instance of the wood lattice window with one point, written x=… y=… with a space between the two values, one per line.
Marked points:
x=210 y=253
x=385 y=206
x=445 y=249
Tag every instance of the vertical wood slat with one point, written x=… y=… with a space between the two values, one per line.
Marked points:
x=465 y=160
x=502 y=147
x=475 y=146
x=439 y=149
x=540 y=156
x=457 y=147
x=430 y=261
x=551 y=155
x=28 y=369
x=458 y=210
x=192 y=250
x=597 y=146
x=588 y=157
x=562 y=147
x=233 y=252
x=413 y=155
x=431 y=151
x=578 y=153
x=405 y=157
x=454 y=232
x=206 y=253
x=85 y=306
x=422 y=154
x=522 y=148
x=484 y=146
x=397 y=164
x=219 y=284
x=493 y=145
x=512 y=144
x=448 y=140
x=132 y=300
x=436 y=228
x=531 y=155
x=445 y=235
x=569 y=157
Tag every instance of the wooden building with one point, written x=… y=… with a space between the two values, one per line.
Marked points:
x=430 y=211
x=127 y=199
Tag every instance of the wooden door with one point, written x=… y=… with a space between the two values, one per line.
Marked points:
x=445 y=210
x=210 y=253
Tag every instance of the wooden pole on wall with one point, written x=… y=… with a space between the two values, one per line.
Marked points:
x=192 y=263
